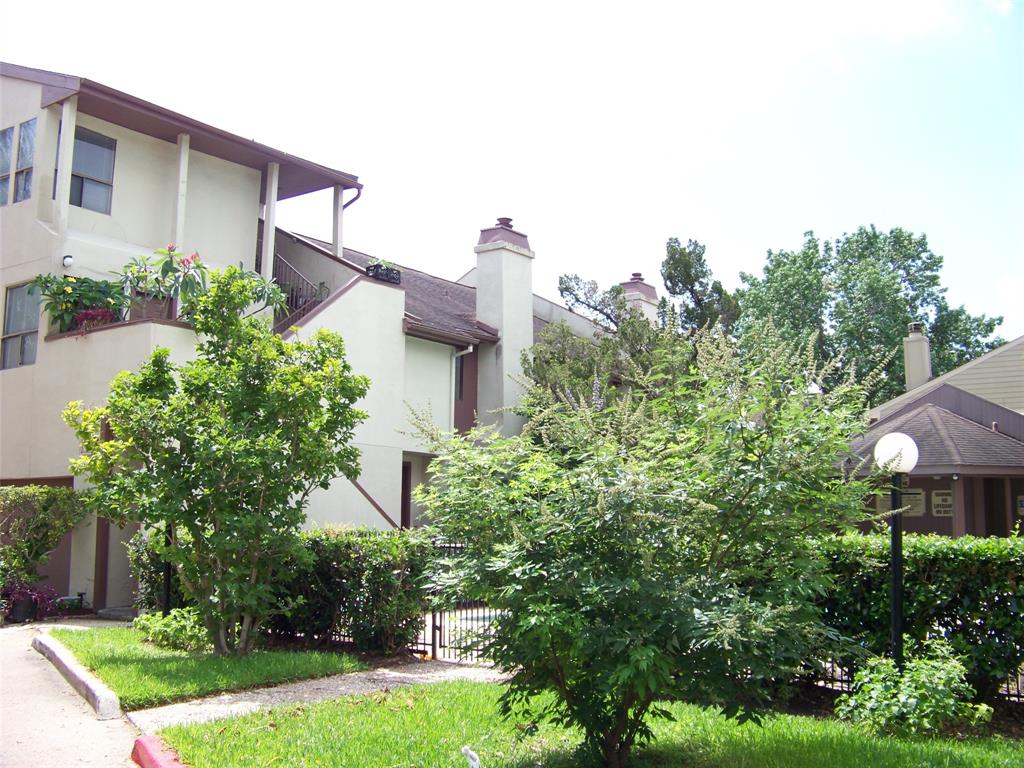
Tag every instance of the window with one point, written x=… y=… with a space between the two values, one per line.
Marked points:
x=6 y=145
x=92 y=171
x=21 y=327
x=26 y=153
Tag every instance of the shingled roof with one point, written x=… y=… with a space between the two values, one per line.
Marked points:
x=947 y=442
x=433 y=303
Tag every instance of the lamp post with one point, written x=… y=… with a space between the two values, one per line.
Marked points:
x=896 y=453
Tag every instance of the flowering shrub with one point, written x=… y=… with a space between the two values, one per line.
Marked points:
x=91 y=318
x=15 y=591
x=167 y=274
x=65 y=297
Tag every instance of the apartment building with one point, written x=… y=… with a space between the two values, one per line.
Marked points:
x=91 y=177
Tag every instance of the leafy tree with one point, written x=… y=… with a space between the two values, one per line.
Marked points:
x=702 y=300
x=858 y=294
x=624 y=348
x=223 y=451
x=619 y=353
x=33 y=520
x=654 y=548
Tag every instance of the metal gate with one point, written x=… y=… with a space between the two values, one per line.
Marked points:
x=451 y=632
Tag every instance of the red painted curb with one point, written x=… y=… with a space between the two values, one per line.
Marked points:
x=151 y=752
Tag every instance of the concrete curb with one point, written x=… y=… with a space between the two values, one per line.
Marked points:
x=99 y=696
x=151 y=752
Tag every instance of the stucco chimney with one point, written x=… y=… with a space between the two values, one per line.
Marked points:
x=917 y=356
x=641 y=295
x=504 y=300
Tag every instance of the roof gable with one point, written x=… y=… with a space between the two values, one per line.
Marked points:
x=1002 y=369
x=947 y=442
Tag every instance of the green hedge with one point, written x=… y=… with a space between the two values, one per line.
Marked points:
x=970 y=590
x=367 y=585
x=33 y=520
x=147 y=568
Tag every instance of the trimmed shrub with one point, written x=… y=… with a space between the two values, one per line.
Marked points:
x=182 y=629
x=367 y=585
x=968 y=590
x=147 y=568
x=33 y=520
x=927 y=696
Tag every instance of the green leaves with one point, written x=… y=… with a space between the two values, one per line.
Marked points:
x=928 y=694
x=655 y=546
x=855 y=297
x=65 y=296
x=969 y=589
x=224 y=451
x=33 y=519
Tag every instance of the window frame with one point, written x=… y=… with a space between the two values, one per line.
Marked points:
x=94 y=179
x=21 y=171
x=11 y=161
x=7 y=337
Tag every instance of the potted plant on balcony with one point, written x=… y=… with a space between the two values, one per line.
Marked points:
x=379 y=269
x=159 y=281
x=74 y=301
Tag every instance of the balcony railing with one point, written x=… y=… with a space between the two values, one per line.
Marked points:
x=301 y=296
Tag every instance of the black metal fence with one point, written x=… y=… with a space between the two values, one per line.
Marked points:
x=834 y=676
x=451 y=631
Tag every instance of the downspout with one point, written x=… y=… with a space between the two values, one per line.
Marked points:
x=455 y=357
x=359 y=193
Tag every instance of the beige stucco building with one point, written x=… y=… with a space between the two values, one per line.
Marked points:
x=90 y=177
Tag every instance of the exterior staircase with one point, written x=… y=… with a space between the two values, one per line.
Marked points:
x=301 y=295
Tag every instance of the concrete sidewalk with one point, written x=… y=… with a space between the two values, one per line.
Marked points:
x=306 y=691
x=43 y=721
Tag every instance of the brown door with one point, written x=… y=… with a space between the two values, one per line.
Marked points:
x=406 y=494
x=995 y=507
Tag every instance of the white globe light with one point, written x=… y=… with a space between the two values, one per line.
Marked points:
x=896 y=452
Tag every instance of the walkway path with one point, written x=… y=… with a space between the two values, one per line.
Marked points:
x=43 y=721
x=243 y=702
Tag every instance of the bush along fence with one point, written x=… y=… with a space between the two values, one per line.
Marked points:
x=366 y=587
x=378 y=591
x=968 y=590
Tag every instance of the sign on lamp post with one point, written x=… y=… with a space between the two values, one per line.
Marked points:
x=896 y=453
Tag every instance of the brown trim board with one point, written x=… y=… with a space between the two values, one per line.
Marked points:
x=373 y=503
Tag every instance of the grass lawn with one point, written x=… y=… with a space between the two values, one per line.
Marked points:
x=143 y=675
x=426 y=726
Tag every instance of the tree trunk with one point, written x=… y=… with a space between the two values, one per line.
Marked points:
x=616 y=755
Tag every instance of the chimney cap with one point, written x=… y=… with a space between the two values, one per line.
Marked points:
x=915 y=327
x=637 y=285
x=503 y=232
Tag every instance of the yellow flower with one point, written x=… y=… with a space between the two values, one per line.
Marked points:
x=71 y=279
x=67 y=289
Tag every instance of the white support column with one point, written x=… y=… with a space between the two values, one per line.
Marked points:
x=65 y=158
x=178 y=231
x=339 y=215
x=270 y=219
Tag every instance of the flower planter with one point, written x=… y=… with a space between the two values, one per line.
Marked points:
x=385 y=273
x=22 y=609
x=91 y=318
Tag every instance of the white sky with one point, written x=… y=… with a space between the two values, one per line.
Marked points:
x=603 y=128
